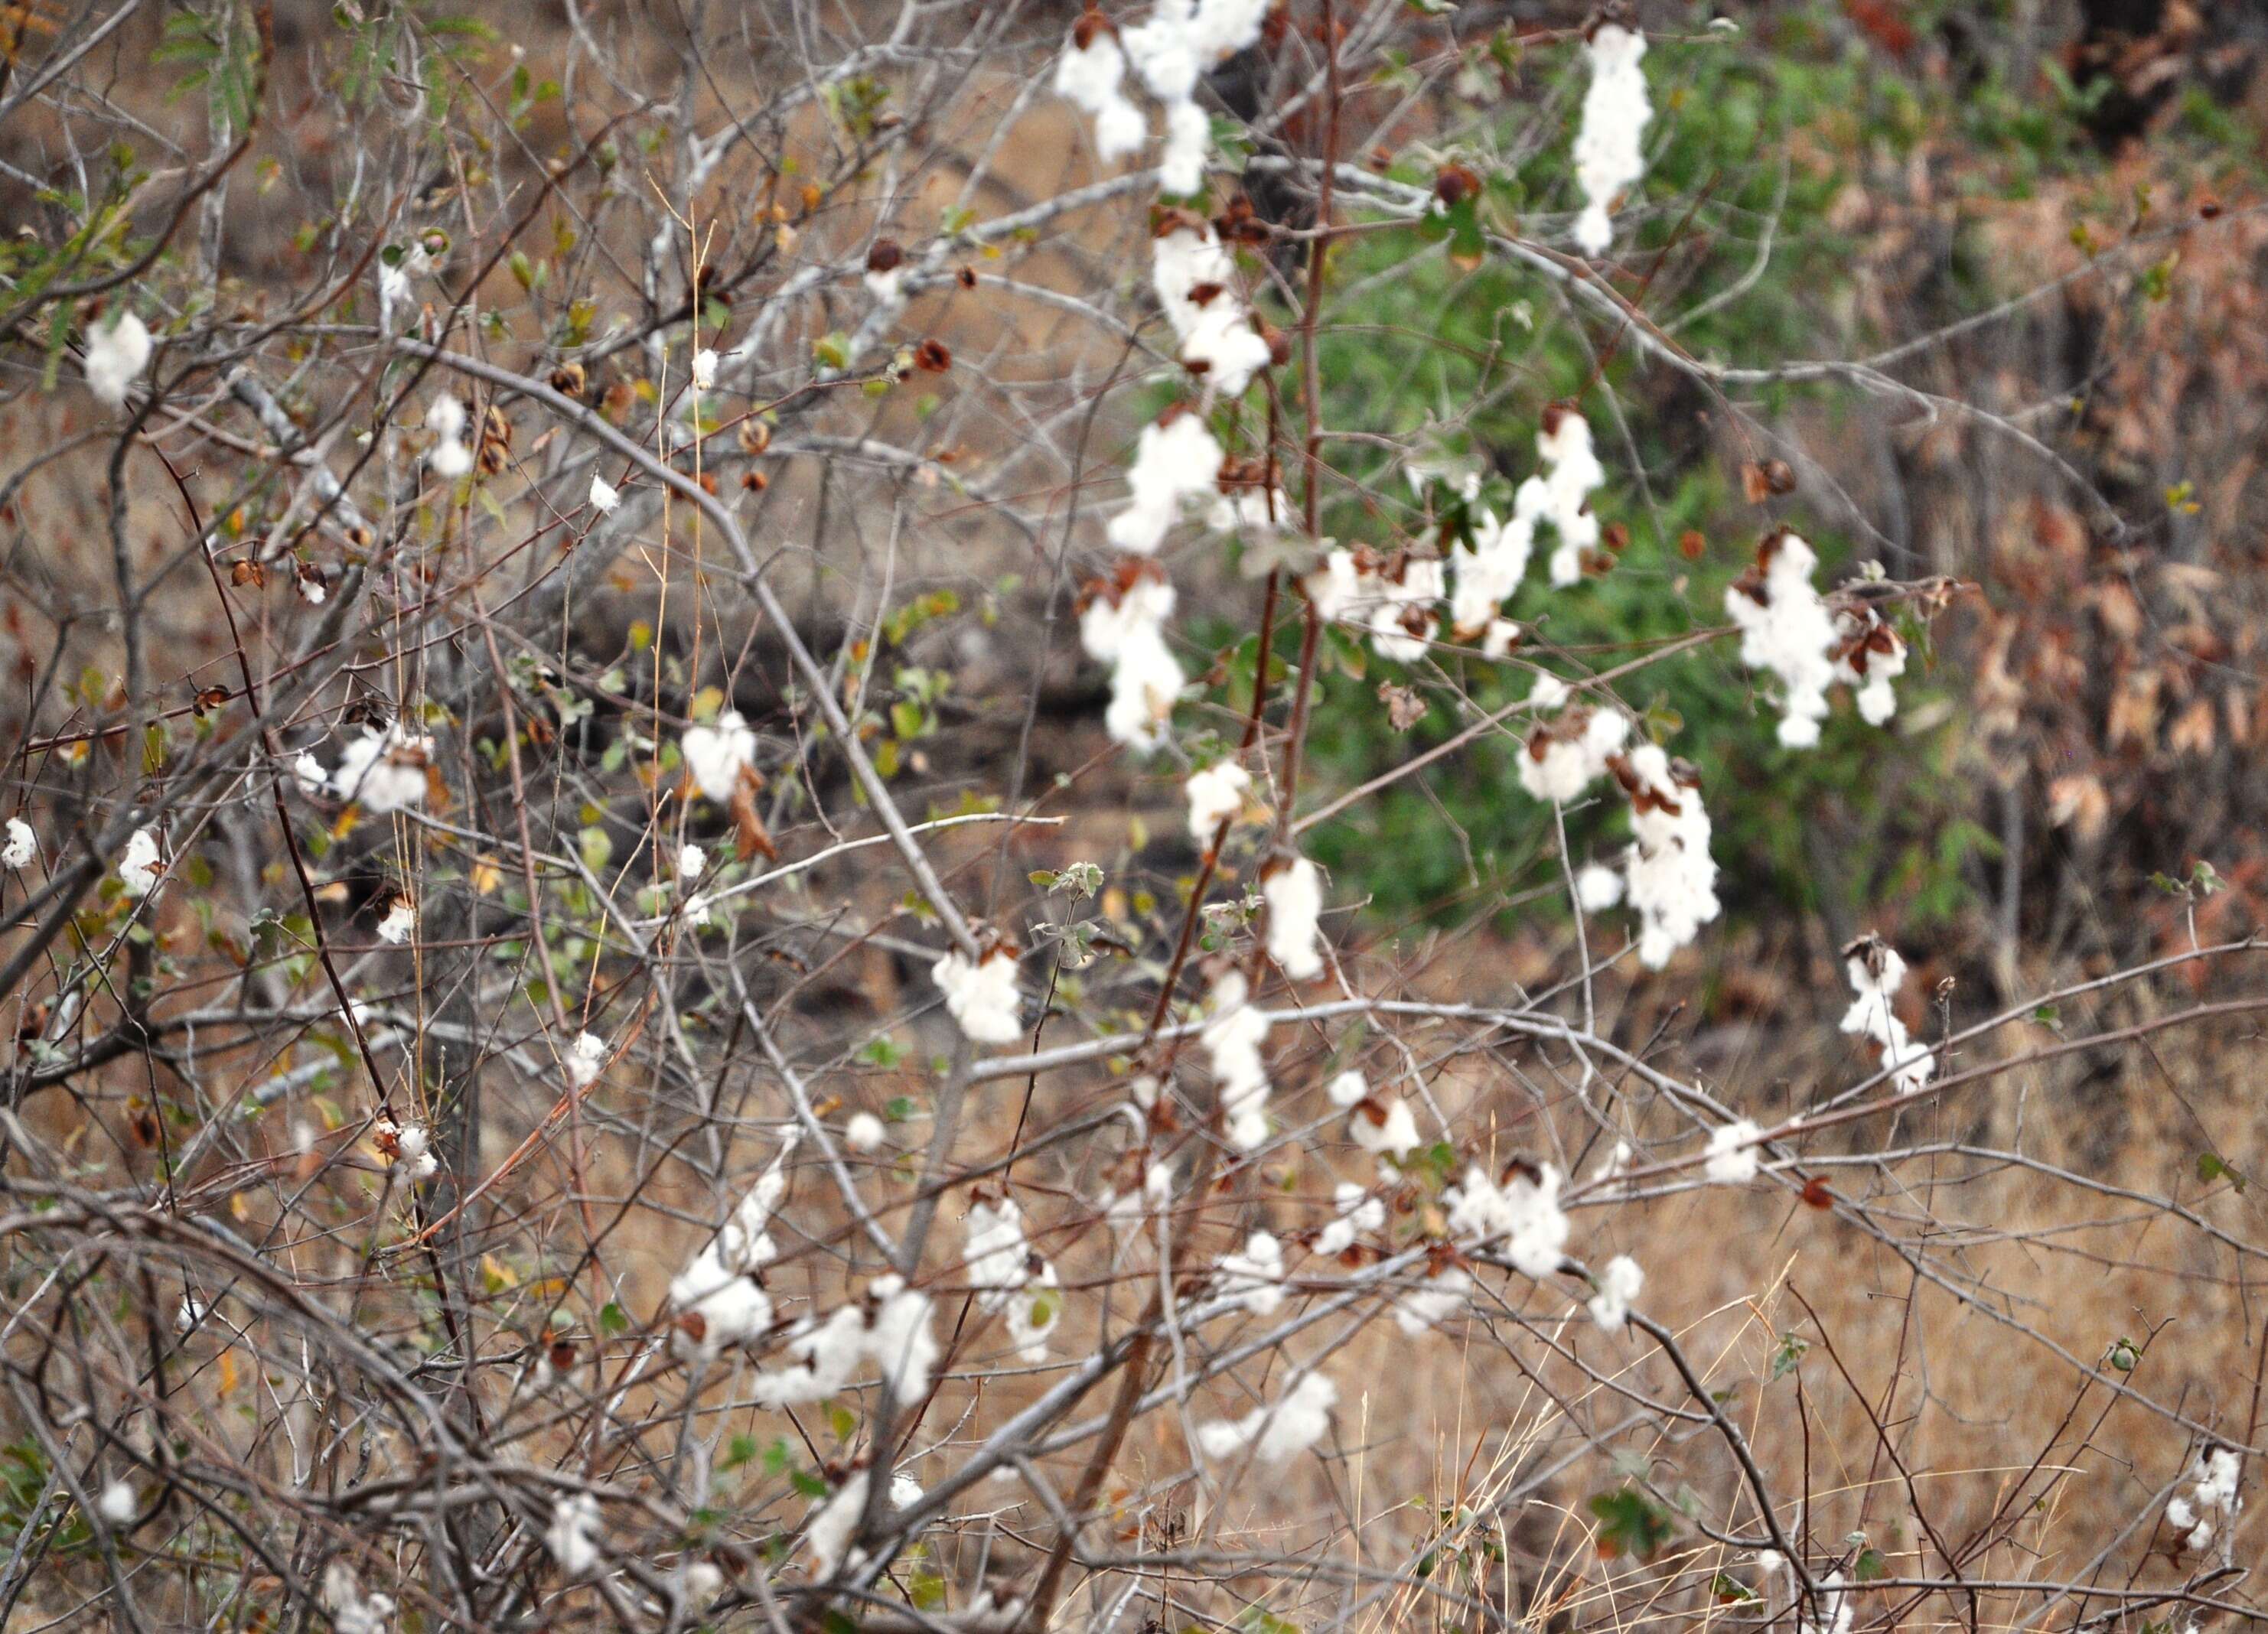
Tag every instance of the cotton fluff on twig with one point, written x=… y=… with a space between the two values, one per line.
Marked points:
x=572 y=1536
x=1253 y=1276
x=384 y=772
x=117 y=353
x=890 y=1327
x=1869 y=655
x=1231 y=1041
x=1733 y=1156
x=1124 y=626
x=716 y=755
x=1618 y=1284
x=585 y=1057
x=1786 y=628
x=717 y=1299
x=22 y=846
x=1194 y=277
x=1355 y=1214
x=1279 y=1431
x=834 y=1522
x=2213 y=1492
x=1876 y=973
x=1384 y=1127
x=1012 y=1281
x=1671 y=877
x=1174 y=461
x=981 y=993
x=1216 y=794
x=408 y=1148
x=1609 y=150
x=1523 y=1211
x=1566 y=755
x=1561 y=494
x=1091 y=75
x=1294 y=894
x=139 y=868
x=450 y=456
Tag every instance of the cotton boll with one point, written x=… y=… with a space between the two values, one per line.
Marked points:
x=1226 y=349
x=1189 y=260
x=1609 y=150
x=1254 y=1278
x=384 y=772
x=1564 y=757
x=1670 y=876
x=584 y=1058
x=1440 y=1299
x=1124 y=628
x=23 y=845
x=899 y=1338
x=1120 y=130
x=1561 y=496
x=604 y=495
x=1876 y=972
x=449 y=461
x=139 y=868
x=572 y=1536
x=865 y=1132
x=715 y=756
x=444 y=417
x=1334 y=586
x=1618 y=1284
x=1215 y=794
x=117 y=353
x=1488 y=570
x=1358 y=1212
x=1385 y=1129
x=1734 y=1154
x=1231 y=1041
x=704 y=369
x=718 y=1306
x=1785 y=629
x=1091 y=74
x=1278 y=1431
x=1598 y=887
x=399 y=923
x=1189 y=138
x=1523 y=1212
x=1402 y=612
x=834 y=1522
x=1869 y=657
x=309 y=773
x=115 y=1503
x=1294 y=894
x=1348 y=1088
x=981 y=994
x=1173 y=463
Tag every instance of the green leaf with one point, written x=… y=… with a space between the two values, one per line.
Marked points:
x=2213 y=1167
x=1869 y=1566
x=1631 y=1523
x=613 y=1318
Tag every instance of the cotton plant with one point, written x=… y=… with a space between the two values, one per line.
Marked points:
x=1609 y=146
x=981 y=993
x=1276 y=1431
x=1233 y=1039
x=1876 y=973
x=1294 y=891
x=1123 y=625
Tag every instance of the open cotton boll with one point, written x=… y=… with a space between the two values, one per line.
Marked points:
x=584 y=1057
x=352 y=1611
x=1216 y=794
x=1876 y=973
x=1609 y=148
x=1295 y=905
x=1488 y=570
x=865 y=1132
x=1358 y=1212
x=309 y=773
x=1598 y=887
x=1226 y=350
x=1124 y=626
x=1334 y=586
x=1564 y=757
x=898 y=1339
x=22 y=846
x=1091 y=74
x=1279 y=1431
x=1254 y=1277
x=1186 y=261
x=1733 y=1155
x=1189 y=138
x=1786 y=630
x=981 y=994
x=1010 y=1279
x=572 y=1536
x=1671 y=877
x=449 y=461
x=834 y=1522
x=1231 y=1041
x=715 y=756
x=604 y=495
x=399 y=923
x=1174 y=461
x=704 y=369
x=1523 y=1211
x=719 y=1306
x=1618 y=1284
x=1401 y=611
x=1384 y=1129
x=139 y=868
x=1869 y=657
x=384 y=772
x=1562 y=495
x=117 y=353
x=407 y=1148
x=1434 y=1302
x=1348 y=1088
